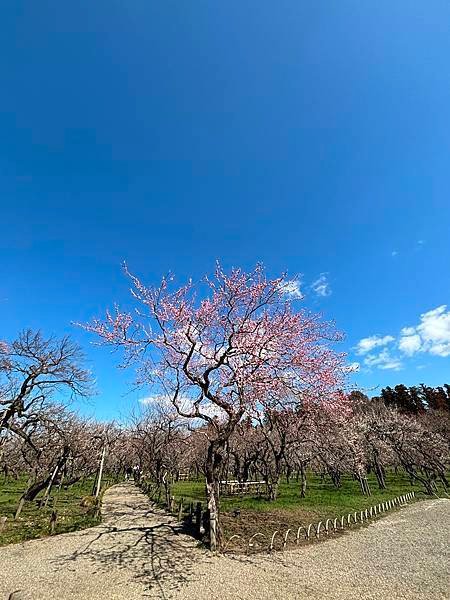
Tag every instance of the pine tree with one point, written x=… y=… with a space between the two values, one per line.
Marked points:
x=403 y=399
x=416 y=400
x=440 y=398
x=388 y=396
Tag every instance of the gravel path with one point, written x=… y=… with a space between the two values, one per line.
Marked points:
x=403 y=555
x=139 y=552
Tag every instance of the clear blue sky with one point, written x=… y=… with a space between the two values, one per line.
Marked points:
x=313 y=136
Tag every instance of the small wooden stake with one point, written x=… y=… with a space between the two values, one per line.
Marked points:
x=3 y=523
x=53 y=519
x=198 y=518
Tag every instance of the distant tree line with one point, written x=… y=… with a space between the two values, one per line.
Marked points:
x=415 y=400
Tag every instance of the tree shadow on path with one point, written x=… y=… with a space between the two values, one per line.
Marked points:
x=145 y=543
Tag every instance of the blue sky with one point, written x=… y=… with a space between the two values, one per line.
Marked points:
x=311 y=136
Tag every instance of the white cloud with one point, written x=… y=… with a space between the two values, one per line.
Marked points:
x=383 y=360
x=321 y=286
x=164 y=402
x=148 y=401
x=353 y=367
x=394 y=253
x=184 y=403
x=408 y=331
x=434 y=329
x=291 y=288
x=374 y=341
x=431 y=335
x=409 y=343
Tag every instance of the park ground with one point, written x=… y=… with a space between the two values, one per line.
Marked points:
x=75 y=509
x=246 y=515
x=241 y=515
x=138 y=551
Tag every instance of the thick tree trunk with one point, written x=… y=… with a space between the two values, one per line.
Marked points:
x=379 y=473
x=212 y=492
x=272 y=488
x=30 y=494
x=274 y=481
x=414 y=476
x=364 y=484
x=444 y=481
x=302 y=481
x=246 y=471
x=212 y=475
x=335 y=478
x=237 y=468
x=19 y=507
x=288 y=474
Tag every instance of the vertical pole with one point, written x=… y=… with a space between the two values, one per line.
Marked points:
x=100 y=472
x=49 y=487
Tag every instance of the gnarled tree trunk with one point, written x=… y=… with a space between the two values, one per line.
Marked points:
x=303 y=482
x=212 y=474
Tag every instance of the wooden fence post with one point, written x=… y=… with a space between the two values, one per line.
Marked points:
x=3 y=523
x=53 y=519
x=191 y=513
x=100 y=472
x=180 y=510
x=198 y=518
x=44 y=498
x=207 y=526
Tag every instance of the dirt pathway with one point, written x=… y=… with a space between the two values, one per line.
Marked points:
x=139 y=552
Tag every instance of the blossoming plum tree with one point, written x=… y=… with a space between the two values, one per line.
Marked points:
x=224 y=355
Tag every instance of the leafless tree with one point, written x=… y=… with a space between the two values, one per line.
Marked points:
x=33 y=370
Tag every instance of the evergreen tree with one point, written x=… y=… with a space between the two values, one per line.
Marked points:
x=441 y=400
x=447 y=389
x=403 y=399
x=416 y=400
x=388 y=396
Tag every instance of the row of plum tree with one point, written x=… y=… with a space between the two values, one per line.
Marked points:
x=372 y=438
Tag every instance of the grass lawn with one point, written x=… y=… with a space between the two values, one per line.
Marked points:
x=322 y=501
x=34 y=522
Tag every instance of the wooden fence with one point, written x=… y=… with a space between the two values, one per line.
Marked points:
x=242 y=488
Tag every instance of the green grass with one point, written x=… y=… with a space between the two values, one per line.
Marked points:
x=34 y=522
x=322 y=501
x=319 y=494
